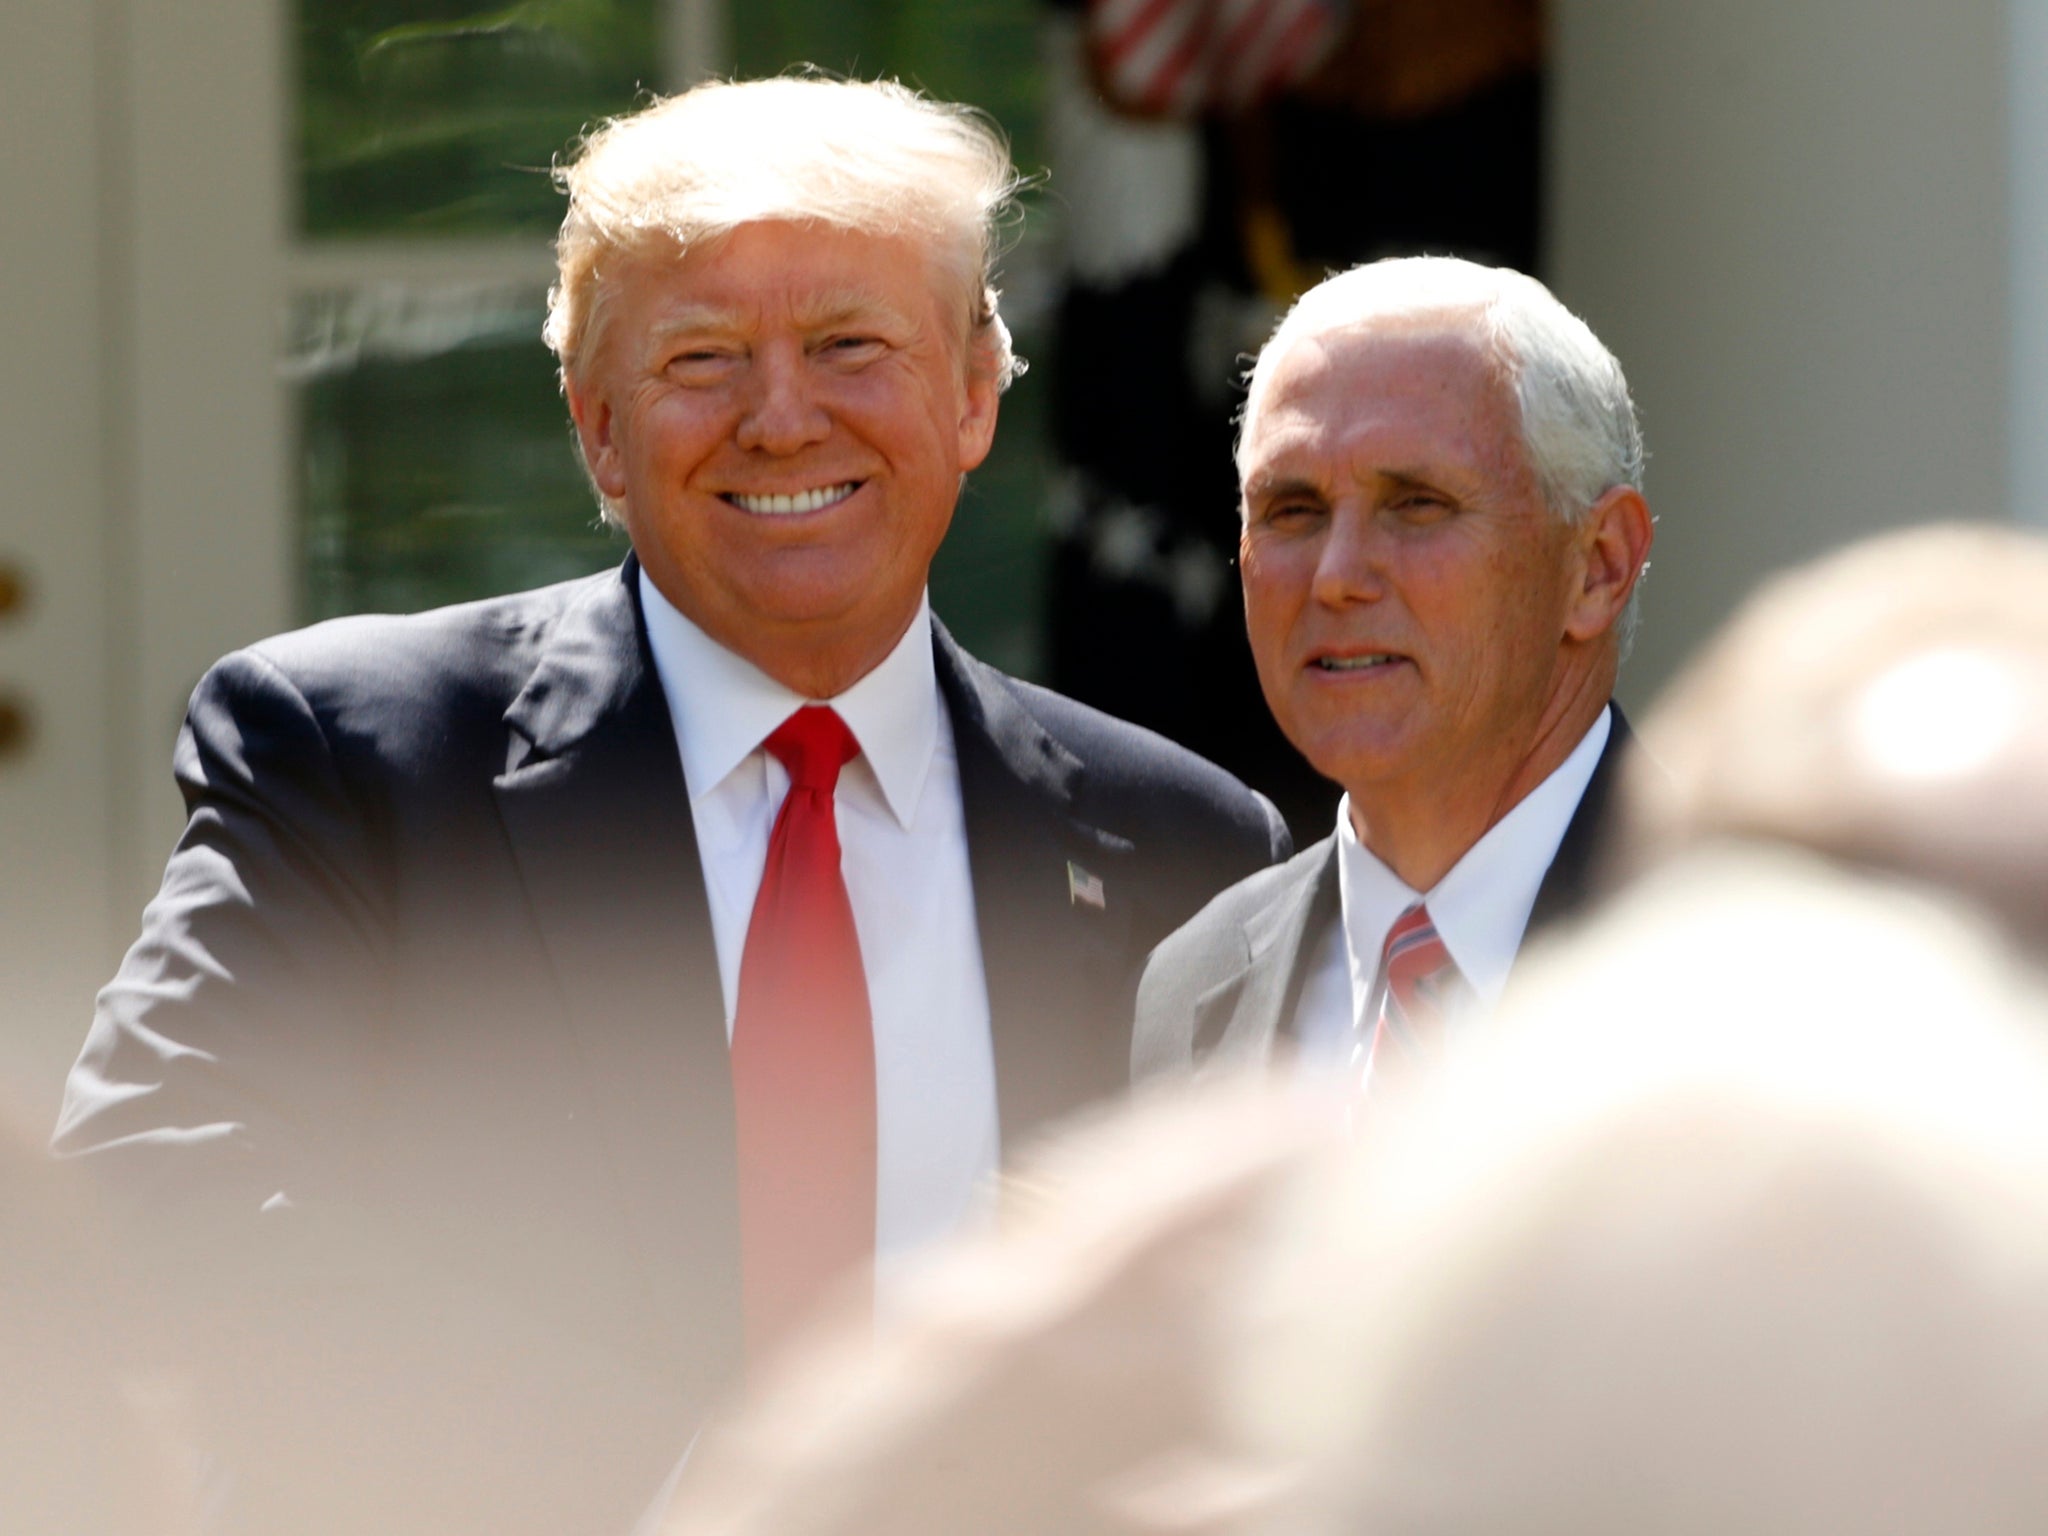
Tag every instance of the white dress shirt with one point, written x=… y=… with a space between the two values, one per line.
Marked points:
x=903 y=851
x=1480 y=908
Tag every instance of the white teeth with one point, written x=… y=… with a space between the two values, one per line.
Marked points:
x=804 y=501
x=1353 y=663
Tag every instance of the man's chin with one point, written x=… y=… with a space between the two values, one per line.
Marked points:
x=836 y=637
x=1366 y=768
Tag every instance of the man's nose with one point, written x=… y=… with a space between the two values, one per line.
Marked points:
x=781 y=412
x=1350 y=566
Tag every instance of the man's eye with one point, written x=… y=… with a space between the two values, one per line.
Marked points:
x=853 y=348
x=1285 y=514
x=1422 y=504
x=699 y=362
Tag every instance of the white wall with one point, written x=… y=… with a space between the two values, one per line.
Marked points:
x=2027 y=319
x=145 y=439
x=1789 y=220
x=207 y=525
x=55 y=796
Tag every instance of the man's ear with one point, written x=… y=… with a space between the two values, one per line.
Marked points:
x=978 y=407
x=592 y=413
x=1613 y=545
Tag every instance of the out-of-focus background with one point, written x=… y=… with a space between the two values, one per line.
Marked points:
x=274 y=273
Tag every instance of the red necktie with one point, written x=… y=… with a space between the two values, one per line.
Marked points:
x=803 y=1055
x=1420 y=985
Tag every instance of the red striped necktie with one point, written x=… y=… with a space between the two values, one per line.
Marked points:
x=1420 y=987
x=803 y=1055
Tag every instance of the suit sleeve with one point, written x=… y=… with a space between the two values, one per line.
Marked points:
x=1279 y=841
x=227 y=1099
x=221 y=1049
x=1185 y=965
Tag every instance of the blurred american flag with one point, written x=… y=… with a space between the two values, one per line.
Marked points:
x=1181 y=57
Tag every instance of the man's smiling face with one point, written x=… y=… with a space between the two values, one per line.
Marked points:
x=1406 y=589
x=782 y=417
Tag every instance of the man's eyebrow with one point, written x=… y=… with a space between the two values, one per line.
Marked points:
x=689 y=320
x=1270 y=487
x=1412 y=480
x=818 y=312
x=837 y=306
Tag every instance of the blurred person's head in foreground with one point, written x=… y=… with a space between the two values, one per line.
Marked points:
x=1886 y=705
x=1060 y=1375
x=1739 y=1223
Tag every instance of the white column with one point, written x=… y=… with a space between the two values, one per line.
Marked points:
x=1789 y=220
x=698 y=42
x=57 y=924
x=2027 y=171
x=210 y=526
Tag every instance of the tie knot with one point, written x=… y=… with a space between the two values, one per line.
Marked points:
x=1411 y=929
x=813 y=744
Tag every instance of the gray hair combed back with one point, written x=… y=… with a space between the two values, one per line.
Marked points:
x=1578 y=419
x=873 y=156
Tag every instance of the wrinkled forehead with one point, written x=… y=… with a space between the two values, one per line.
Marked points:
x=1330 y=382
x=845 y=274
x=1314 y=333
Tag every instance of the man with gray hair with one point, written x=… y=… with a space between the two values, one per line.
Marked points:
x=1443 y=531
x=555 y=997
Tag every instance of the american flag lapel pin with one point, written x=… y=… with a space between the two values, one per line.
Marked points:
x=1084 y=889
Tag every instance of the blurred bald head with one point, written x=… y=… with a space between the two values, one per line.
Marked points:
x=1686 y=1247
x=1886 y=706
x=1058 y=1375
x=1692 y=1246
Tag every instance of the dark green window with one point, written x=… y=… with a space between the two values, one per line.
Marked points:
x=435 y=457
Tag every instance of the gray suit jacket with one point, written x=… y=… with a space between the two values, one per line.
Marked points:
x=1225 y=987
x=424 y=1036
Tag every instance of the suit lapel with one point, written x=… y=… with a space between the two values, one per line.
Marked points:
x=1240 y=1018
x=1568 y=883
x=1243 y=1016
x=1052 y=907
x=595 y=808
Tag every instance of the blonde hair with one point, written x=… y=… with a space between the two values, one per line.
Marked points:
x=874 y=156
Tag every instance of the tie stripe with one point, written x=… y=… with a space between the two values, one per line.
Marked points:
x=1420 y=986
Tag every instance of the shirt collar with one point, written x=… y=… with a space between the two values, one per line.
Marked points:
x=1482 y=905
x=724 y=706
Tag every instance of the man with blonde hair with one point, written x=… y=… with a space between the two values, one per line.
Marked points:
x=626 y=964
x=1443 y=531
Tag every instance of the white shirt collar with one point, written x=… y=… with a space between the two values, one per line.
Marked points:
x=724 y=706
x=1482 y=905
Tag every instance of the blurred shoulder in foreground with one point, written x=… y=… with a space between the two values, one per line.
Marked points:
x=1736 y=1219
x=1887 y=706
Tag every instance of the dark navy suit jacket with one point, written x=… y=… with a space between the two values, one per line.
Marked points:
x=419 y=1066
